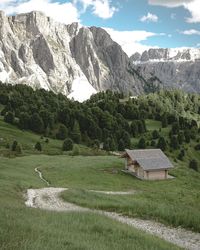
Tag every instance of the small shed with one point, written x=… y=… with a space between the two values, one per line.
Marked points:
x=148 y=164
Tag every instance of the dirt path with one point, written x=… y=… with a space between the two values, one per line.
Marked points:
x=114 y=192
x=41 y=176
x=49 y=199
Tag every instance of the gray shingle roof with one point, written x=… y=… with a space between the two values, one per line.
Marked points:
x=150 y=159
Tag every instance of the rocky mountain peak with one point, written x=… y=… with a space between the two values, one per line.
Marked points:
x=176 y=55
x=175 y=68
x=38 y=51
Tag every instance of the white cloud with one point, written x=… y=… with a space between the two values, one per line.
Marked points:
x=130 y=41
x=149 y=18
x=169 y=3
x=193 y=6
x=190 y=32
x=61 y=12
x=100 y=8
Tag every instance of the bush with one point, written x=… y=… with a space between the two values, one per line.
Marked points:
x=18 y=149
x=38 y=146
x=121 y=145
x=153 y=143
x=47 y=140
x=9 y=117
x=62 y=132
x=76 y=150
x=142 y=143
x=155 y=134
x=197 y=147
x=181 y=154
x=96 y=144
x=67 y=145
x=14 y=146
x=193 y=165
x=162 y=144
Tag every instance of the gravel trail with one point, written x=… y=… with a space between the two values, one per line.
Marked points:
x=49 y=199
x=114 y=192
x=41 y=176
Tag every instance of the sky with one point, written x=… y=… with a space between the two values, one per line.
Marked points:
x=136 y=25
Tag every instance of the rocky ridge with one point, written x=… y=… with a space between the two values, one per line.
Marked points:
x=37 y=51
x=175 y=68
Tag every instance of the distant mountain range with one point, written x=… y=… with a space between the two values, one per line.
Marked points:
x=79 y=61
x=175 y=68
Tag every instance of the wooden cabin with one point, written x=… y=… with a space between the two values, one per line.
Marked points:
x=147 y=164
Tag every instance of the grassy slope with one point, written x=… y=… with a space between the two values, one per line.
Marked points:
x=26 y=228
x=174 y=202
x=27 y=139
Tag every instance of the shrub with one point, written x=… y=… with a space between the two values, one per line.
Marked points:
x=76 y=150
x=62 y=132
x=121 y=145
x=38 y=146
x=155 y=134
x=181 y=154
x=193 y=165
x=197 y=147
x=18 y=149
x=67 y=145
x=96 y=144
x=142 y=143
x=162 y=143
x=14 y=146
x=9 y=117
x=47 y=140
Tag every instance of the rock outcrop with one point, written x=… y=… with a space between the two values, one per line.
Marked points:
x=175 y=68
x=37 y=51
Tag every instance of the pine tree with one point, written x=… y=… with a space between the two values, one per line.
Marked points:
x=37 y=124
x=121 y=145
x=38 y=146
x=14 y=146
x=162 y=144
x=134 y=129
x=9 y=117
x=180 y=137
x=155 y=134
x=174 y=142
x=62 y=132
x=67 y=145
x=18 y=149
x=164 y=121
x=24 y=120
x=76 y=134
x=142 y=143
x=193 y=165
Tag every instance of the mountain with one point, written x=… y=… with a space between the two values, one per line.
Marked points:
x=76 y=61
x=176 y=68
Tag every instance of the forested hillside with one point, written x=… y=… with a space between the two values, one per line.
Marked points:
x=166 y=119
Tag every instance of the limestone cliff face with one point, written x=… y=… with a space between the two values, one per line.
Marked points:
x=176 y=68
x=103 y=61
x=37 y=51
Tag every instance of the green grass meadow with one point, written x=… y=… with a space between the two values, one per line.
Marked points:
x=29 y=228
x=173 y=202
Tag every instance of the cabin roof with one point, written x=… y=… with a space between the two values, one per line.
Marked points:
x=150 y=159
